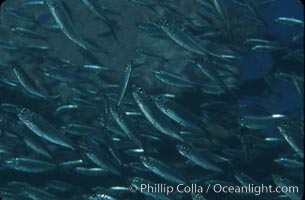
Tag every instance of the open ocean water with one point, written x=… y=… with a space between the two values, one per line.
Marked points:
x=151 y=100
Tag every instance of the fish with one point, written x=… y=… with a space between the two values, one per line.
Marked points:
x=63 y=75
x=211 y=73
x=35 y=144
x=179 y=114
x=161 y=169
x=112 y=148
x=153 y=115
x=260 y=122
x=43 y=128
x=291 y=163
x=60 y=185
x=136 y=99
x=285 y=130
x=29 y=165
x=100 y=13
x=124 y=82
x=123 y=121
x=290 y=21
x=173 y=79
x=22 y=32
x=63 y=20
x=91 y=171
x=222 y=13
x=197 y=158
x=266 y=48
x=150 y=55
x=20 y=14
x=184 y=40
x=27 y=83
x=38 y=193
x=79 y=129
x=93 y=153
x=33 y=3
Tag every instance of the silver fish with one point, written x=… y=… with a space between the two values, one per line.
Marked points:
x=91 y=171
x=173 y=79
x=179 y=114
x=290 y=21
x=197 y=158
x=23 y=32
x=27 y=83
x=211 y=73
x=43 y=128
x=124 y=82
x=101 y=159
x=29 y=165
x=290 y=163
x=122 y=120
x=286 y=131
x=63 y=20
x=161 y=169
x=184 y=40
x=153 y=115
x=260 y=122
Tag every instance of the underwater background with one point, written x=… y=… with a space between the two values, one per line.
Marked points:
x=102 y=99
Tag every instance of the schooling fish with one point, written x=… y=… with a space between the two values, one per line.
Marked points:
x=29 y=165
x=62 y=19
x=161 y=169
x=154 y=116
x=124 y=82
x=27 y=83
x=173 y=79
x=43 y=128
x=197 y=158
x=122 y=120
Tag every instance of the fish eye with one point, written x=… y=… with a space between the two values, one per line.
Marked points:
x=24 y=110
x=140 y=90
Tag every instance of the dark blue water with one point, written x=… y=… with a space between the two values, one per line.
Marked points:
x=53 y=61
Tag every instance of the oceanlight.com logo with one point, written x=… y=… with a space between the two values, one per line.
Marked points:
x=216 y=188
